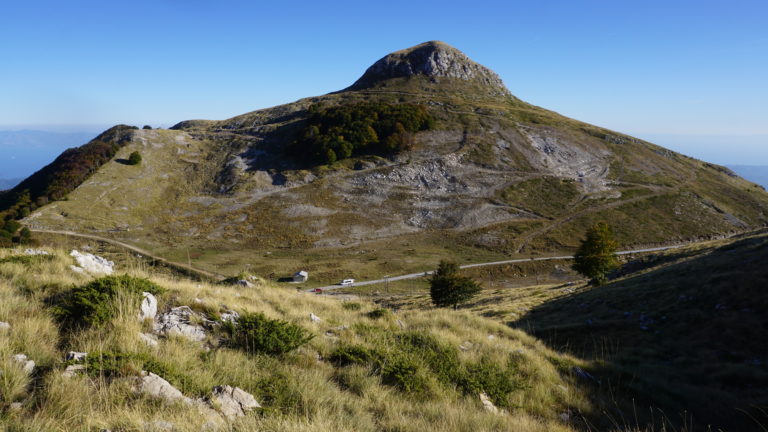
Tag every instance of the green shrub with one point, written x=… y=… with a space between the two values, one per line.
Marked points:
x=346 y=355
x=448 y=288
x=91 y=305
x=255 y=333
x=134 y=158
x=378 y=313
x=278 y=393
x=496 y=381
x=404 y=372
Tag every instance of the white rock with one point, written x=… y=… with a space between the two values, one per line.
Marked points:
x=93 y=264
x=35 y=252
x=72 y=370
x=314 y=318
x=77 y=269
x=487 y=404
x=15 y=406
x=148 y=339
x=400 y=324
x=27 y=365
x=148 y=308
x=245 y=283
x=230 y=316
x=76 y=356
x=156 y=386
x=177 y=322
x=4 y=325
x=233 y=402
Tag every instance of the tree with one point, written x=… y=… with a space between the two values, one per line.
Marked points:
x=134 y=158
x=596 y=255
x=447 y=288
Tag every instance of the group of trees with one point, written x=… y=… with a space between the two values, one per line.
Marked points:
x=68 y=171
x=340 y=132
x=595 y=258
x=11 y=232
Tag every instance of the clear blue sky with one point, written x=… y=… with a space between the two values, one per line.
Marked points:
x=654 y=68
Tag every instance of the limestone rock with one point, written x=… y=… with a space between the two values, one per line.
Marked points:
x=93 y=264
x=148 y=309
x=4 y=325
x=230 y=316
x=487 y=404
x=178 y=322
x=72 y=370
x=15 y=406
x=148 y=339
x=26 y=364
x=159 y=426
x=245 y=283
x=314 y=318
x=76 y=356
x=233 y=402
x=35 y=252
x=156 y=386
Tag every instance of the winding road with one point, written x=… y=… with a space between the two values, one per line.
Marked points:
x=417 y=275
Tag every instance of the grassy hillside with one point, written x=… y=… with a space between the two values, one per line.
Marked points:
x=362 y=370
x=683 y=330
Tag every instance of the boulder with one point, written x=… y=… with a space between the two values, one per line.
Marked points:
x=178 y=322
x=314 y=318
x=4 y=325
x=148 y=308
x=233 y=401
x=26 y=364
x=158 y=426
x=35 y=252
x=245 y=283
x=488 y=405
x=76 y=356
x=156 y=386
x=93 y=264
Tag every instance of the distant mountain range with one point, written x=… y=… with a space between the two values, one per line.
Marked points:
x=26 y=151
x=754 y=173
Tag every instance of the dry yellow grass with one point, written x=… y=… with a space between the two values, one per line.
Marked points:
x=306 y=391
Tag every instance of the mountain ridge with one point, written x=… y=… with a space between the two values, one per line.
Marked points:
x=493 y=176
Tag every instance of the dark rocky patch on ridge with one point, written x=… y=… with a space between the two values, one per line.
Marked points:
x=433 y=59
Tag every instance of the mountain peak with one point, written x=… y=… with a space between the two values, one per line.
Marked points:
x=435 y=60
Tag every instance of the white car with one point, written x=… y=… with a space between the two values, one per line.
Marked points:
x=347 y=282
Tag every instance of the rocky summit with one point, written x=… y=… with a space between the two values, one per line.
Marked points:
x=432 y=59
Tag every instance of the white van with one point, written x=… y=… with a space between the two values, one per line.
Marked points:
x=347 y=282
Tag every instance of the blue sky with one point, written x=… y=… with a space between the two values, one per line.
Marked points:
x=651 y=68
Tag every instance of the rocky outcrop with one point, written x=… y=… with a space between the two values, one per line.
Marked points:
x=233 y=401
x=148 y=308
x=432 y=59
x=76 y=356
x=156 y=386
x=178 y=322
x=26 y=364
x=92 y=264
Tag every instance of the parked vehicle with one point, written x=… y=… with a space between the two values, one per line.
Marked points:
x=347 y=282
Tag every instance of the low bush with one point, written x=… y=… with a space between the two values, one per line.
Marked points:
x=255 y=333
x=378 y=313
x=346 y=355
x=91 y=305
x=134 y=158
x=404 y=372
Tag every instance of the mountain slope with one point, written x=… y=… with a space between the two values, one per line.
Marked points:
x=364 y=369
x=490 y=175
x=685 y=331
